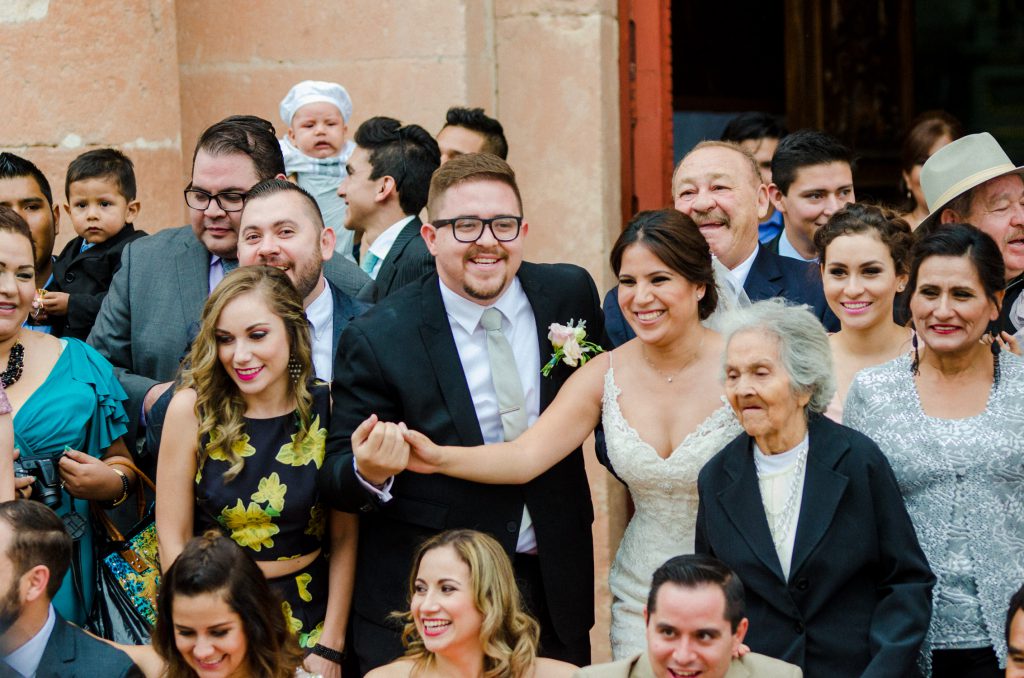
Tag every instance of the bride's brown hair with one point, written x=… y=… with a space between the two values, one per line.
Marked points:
x=676 y=240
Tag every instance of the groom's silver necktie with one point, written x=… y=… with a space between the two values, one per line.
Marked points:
x=511 y=402
x=505 y=376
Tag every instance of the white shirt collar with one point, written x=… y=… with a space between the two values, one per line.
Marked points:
x=468 y=313
x=320 y=314
x=25 y=660
x=742 y=270
x=382 y=245
x=786 y=249
x=321 y=311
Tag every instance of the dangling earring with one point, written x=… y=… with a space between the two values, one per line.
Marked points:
x=993 y=330
x=294 y=368
x=915 y=364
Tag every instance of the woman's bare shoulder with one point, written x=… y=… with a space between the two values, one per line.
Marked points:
x=183 y=403
x=401 y=668
x=552 y=668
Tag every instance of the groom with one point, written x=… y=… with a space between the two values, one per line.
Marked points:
x=424 y=357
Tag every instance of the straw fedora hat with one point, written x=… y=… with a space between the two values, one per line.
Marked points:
x=960 y=166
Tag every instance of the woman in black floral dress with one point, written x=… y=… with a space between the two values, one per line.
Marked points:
x=243 y=440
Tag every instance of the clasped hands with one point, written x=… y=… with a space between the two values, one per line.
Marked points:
x=383 y=449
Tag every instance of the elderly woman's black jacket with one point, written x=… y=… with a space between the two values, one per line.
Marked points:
x=858 y=598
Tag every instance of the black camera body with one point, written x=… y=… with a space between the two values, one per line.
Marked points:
x=46 y=487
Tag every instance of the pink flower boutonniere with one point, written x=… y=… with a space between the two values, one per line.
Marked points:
x=571 y=345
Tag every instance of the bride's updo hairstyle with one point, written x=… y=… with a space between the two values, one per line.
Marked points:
x=676 y=240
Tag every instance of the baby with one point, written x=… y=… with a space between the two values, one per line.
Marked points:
x=316 y=149
x=100 y=189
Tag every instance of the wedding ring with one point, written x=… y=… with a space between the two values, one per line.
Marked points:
x=62 y=484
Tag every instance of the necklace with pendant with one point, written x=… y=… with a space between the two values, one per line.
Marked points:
x=670 y=377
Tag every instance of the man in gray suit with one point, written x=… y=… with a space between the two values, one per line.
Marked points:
x=35 y=553
x=695 y=626
x=144 y=323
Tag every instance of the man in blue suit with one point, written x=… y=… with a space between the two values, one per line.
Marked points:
x=35 y=553
x=281 y=226
x=718 y=185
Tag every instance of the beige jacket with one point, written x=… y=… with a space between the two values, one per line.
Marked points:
x=753 y=665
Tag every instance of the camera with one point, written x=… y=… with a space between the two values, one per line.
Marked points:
x=46 y=487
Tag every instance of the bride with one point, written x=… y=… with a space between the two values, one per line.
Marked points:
x=659 y=397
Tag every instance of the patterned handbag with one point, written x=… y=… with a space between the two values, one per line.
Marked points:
x=127 y=572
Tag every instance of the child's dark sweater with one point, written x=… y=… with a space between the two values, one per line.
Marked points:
x=86 y=276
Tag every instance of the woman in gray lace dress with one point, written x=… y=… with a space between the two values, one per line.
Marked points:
x=950 y=418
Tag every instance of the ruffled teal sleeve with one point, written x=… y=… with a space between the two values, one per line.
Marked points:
x=109 y=421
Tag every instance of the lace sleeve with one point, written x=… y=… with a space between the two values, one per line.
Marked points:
x=5 y=405
x=853 y=409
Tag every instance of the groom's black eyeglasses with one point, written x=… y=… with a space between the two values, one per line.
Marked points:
x=471 y=229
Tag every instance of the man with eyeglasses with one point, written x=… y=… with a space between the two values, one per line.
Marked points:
x=458 y=356
x=388 y=175
x=148 y=318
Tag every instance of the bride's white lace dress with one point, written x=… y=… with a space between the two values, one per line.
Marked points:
x=664 y=493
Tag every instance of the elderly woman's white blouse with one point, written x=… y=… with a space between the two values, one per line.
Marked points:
x=963 y=482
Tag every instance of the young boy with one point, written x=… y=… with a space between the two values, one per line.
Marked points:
x=812 y=178
x=100 y=189
x=316 y=149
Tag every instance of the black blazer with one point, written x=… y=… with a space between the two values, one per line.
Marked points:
x=798 y=282
x=345 y=309
x=858 y=598
x=72 y=653
x=407 y=260
x=399 y=361
x=86 y=276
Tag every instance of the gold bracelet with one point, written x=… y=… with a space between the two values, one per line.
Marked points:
x=124 y=486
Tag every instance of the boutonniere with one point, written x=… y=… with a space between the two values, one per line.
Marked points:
x=571 y=345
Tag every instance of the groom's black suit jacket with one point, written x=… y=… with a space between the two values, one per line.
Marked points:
x=400 y=362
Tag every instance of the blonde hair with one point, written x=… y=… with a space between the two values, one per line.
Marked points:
x=219 y=404
x=508 y=635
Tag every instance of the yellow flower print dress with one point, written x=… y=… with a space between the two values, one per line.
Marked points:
x=272 y=508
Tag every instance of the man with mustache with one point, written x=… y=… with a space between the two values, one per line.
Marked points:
x=973 y=181
x=718 y=185
x=457 y=355
x=35 y=554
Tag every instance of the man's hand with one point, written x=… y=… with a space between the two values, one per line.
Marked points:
x=153 y=395
x=380 y=449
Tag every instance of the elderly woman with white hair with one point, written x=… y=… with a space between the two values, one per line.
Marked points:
x=808 y=513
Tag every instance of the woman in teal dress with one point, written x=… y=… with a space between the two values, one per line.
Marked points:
x=68 y=415
x=243 y=440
